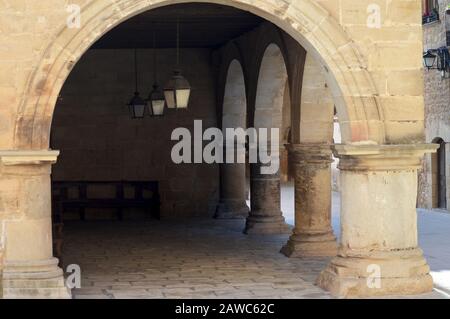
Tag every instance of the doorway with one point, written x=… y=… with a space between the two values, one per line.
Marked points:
x=439 y=187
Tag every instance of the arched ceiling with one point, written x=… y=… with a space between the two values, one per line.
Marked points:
x=201 y=25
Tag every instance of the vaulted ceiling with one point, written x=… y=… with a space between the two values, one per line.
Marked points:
x=201 y=25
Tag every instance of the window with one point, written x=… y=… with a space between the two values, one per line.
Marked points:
x=430 y=11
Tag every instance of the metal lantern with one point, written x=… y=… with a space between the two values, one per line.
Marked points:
x=137 y=104
x=156 y=101
x=438 y=59
x=429 y=59
x=177 y=91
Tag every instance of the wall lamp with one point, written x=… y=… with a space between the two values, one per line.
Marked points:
x=438 y=59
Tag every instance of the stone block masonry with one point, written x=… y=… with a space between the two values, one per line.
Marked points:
x=99 y=141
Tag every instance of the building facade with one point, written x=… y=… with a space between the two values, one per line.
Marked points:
x=435 y=178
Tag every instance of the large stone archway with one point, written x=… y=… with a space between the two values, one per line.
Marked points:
x=381 y=122
x=306 y=21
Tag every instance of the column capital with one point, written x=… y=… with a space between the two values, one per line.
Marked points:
x=381 y=157
x=310 y=153
x=28 y=157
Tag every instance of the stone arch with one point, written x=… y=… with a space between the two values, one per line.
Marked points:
x=267 y=36
x=231 y=65
x=235 y=97
x=271 y=87
x=307 y=22
x=233 y=115
x=317 y=105
x=285 y=133
x=286 y=118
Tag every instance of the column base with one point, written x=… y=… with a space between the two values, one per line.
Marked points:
x=266 y=225
x=311 y=245
x=231 y=210
x=403 y=272
x=34 y=280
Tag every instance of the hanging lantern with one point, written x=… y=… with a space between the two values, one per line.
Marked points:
x=137 y=104
x=156 y=101
x=177 y=91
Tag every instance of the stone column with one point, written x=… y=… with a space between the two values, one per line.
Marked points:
x=232 y=203
x=265 y=207
x=284 y=163
x=29 y=268
x=378 y=252
x=313 y=234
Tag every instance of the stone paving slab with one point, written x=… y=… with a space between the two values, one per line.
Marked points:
x=193 y=258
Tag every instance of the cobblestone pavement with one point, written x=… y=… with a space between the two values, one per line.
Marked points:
x=193 y=258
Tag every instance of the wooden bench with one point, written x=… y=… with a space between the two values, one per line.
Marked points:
x=81 y=195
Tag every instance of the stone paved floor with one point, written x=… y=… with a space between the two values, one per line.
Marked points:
x=186 y=259
x=201 y=258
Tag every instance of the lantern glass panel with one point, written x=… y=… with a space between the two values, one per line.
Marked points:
x=137 y=106
x=170 y=98
x=156 y=101
x=138 y=111
x=158 y=107
x=183 y=97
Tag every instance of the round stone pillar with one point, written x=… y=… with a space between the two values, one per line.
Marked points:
x=284 y=163
x=29 y=268
x=232 y=203
x=265 y=215
x=378 y=252
x=313 y=234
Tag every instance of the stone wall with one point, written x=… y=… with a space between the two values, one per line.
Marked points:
x=99 y=141
x=365 y=76
x=437 y=108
